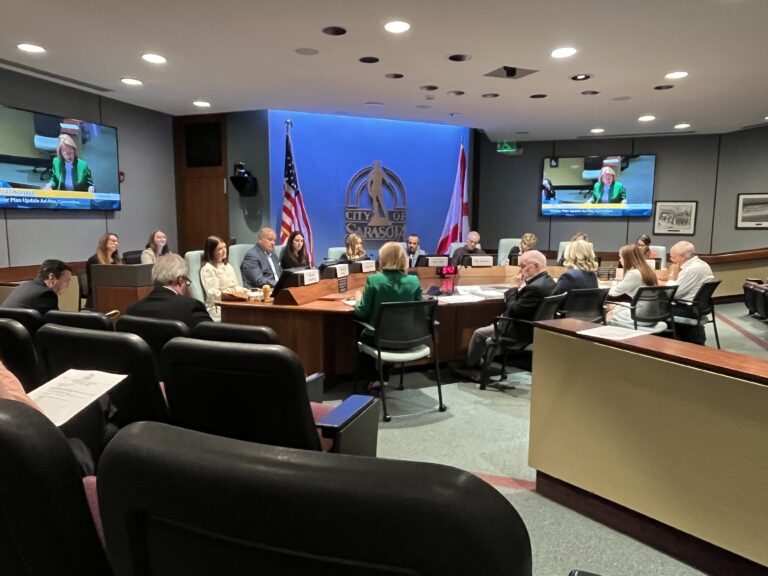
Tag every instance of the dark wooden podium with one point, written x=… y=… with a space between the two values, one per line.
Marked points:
x=118 y=287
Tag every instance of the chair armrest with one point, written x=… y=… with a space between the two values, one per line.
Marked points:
x=365 y=325
x=315 y=386
x=345 y=412
x=499 y=330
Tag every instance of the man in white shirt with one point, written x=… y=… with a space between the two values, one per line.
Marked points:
x=688 y=272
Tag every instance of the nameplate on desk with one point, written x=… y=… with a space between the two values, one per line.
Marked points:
x=436 y=261
x=309 y=276
x=368 y=266
x=342 y=270
x=482 y=261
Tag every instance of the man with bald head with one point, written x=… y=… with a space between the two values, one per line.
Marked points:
x=688 y=272
x=260 y=266
x=520 y=303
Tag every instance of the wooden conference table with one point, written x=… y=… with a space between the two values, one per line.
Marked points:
x=312 y=321
x=671 y=432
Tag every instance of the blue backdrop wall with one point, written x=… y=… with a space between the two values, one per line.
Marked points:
x=418 y=165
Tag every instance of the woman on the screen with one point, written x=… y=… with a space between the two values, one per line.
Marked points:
x=548 y=192
x=106 y=253
x=295 y=252
x=644 y=243
x=157 y=246
x=607 y=190
x=70 y=172
x=354 y=248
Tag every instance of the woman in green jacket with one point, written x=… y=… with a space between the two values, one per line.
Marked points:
x=607 y=190
x=69 y=171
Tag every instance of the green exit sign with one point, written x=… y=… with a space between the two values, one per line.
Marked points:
x=507 y=147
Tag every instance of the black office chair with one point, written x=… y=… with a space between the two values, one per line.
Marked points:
x=132 y=257
x=585 y=304
x=27 y=317
x=258 y=393
x=82 y=282
x=18 y=353
x=699 y=311
x=138 y=397
x=176 y=501
x=651 y=309
x=45 y=522
x=89 y=320
x=514 y=335
x=404 y=332
x=154 y=331
x=749 y=299
x=224 y=332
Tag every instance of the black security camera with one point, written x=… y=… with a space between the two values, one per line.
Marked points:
x=243 y=181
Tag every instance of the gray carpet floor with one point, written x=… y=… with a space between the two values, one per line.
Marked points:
x=486 y=432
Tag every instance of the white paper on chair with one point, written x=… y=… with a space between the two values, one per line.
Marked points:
x=70 y=392
x=612 y=333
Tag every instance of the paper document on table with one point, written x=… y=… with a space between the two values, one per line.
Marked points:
x=70 y=392
x=349 y=301
x=460 y=298
x=465 y=290
x=612 y=333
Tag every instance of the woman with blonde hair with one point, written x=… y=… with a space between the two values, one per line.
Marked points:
x=106 y=253
x=527 y=242
x=580 y=259
x=354 y=246
x=69 y=172
x=637 y=273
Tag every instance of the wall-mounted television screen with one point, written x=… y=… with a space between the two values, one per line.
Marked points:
x=52 y=162
x=598 y=185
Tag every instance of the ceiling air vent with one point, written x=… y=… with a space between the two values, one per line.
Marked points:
x=510 y=72
x=52 y=76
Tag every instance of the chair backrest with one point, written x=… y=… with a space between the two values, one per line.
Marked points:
x=89 y=320
x=82 y=282
x=661 y=252
x=652 y=304
x=549 y=307
x=703 y=298
x=18 y=353
x=45 y=523
x=60 y=348
x=505 y=245
x=750 y=300
x=223 y=332
x=254 y=392
x=216 y=503
x=336 y=252
x=194 y=261
x=561 y=249
x=403 y=325
x=585 y=304
x=456 y=245
x=155 y=332
x=278 y=250
x=235 y=256
x=132 y=257
x=27 y=317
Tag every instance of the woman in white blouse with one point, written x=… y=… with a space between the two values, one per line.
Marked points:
x=216 y=275
x=637 y=273
x=157 y=245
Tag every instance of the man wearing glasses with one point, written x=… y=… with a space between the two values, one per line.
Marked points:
x=169 y=300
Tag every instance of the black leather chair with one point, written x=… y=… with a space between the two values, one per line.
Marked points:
x=18 y=353
x=132 y=257
x=699 y=311
x=27 y=317
x=585 y=304
x=45 y=523
x=502 y=343
x=89 y=320
x=138 y=397
x=404 y=332
x=750 y=298
x=155 y=332
x=258 y=393
x=176 y=501
x=651 y=309
x=224 y=332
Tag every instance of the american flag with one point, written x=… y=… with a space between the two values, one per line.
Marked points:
x=294 y=214
x=456 y=225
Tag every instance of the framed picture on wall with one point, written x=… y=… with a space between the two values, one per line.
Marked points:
x=752 y=211
x=675 y=218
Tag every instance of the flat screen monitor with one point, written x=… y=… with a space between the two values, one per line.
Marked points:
x=571 y=186
x=56 y=162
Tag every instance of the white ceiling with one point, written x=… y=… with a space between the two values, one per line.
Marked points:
x=240 y=55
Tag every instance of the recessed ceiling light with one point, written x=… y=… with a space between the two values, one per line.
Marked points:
x=154 y=58
x=538 y=96
x=590 y=92
x=368 y=59
x=428 y=88
x=580 y=77
x=597 y=130
x=201 y=104
x=565 y=52
x=663 y=87
x=676 y=75
x=490 y=95
x=131 y=81
x=459 y=57
x=334 y=31
x=397 y=27
x=394 y=75
x=455 y=93
x=646 y=118
x=766 y=118
x=307 y=51
x=31 y=48
x=682 y=126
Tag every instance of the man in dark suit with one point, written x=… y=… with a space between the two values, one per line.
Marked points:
x=42 y=293
x=521 y=303
x=168 y=301
x=260 y=265
x=413 y=249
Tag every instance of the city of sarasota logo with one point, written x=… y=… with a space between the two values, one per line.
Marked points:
x=375 y=204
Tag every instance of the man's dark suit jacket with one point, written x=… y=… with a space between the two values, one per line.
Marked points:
x=523 y=303
x=33 y=294
x=165 y=304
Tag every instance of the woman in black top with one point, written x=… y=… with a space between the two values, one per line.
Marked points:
x=295 y=252
x=106 y=253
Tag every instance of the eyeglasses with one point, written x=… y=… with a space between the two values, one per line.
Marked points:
x=186 y=280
